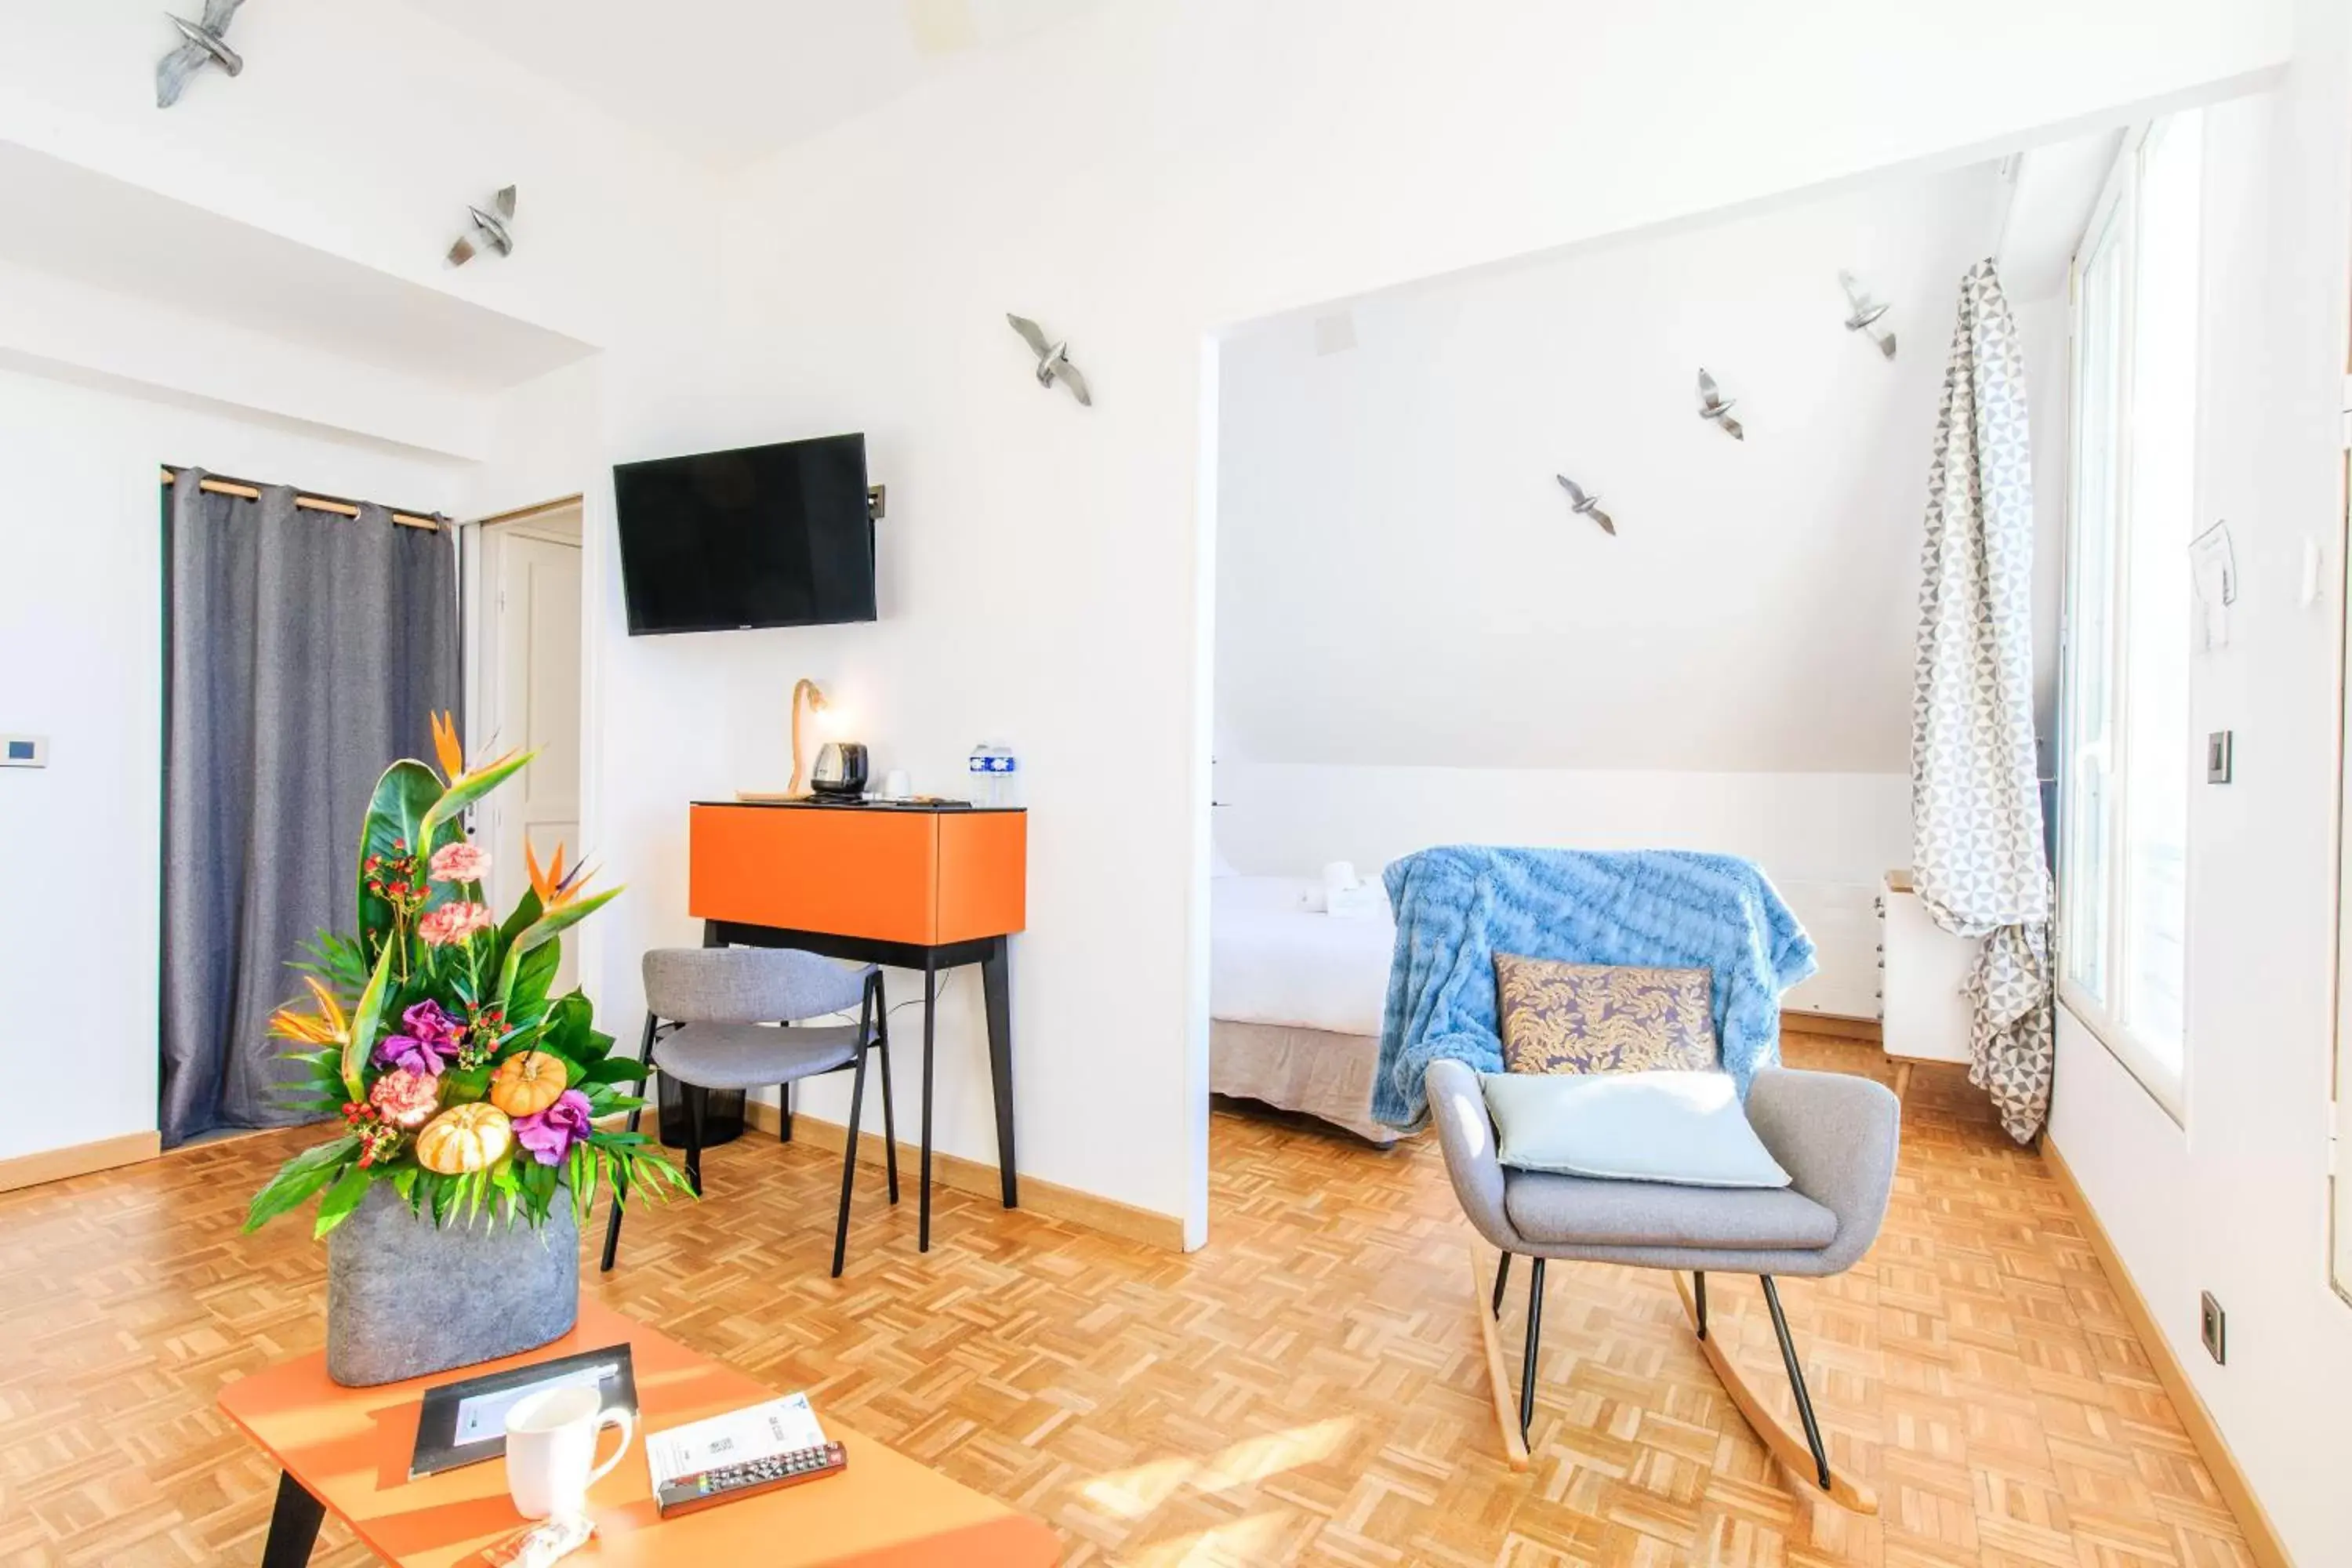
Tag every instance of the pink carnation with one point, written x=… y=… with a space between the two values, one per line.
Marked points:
x=460 y=862
x=407 y=1098
x=453 y=922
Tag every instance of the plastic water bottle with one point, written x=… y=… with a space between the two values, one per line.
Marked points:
x=993 y=772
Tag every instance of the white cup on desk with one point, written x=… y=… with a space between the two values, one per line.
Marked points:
x=897 y=786
x=552 y=1449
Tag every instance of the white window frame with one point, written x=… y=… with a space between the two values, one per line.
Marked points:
x=2150 y=1065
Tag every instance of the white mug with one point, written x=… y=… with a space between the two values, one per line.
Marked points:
x=896 y=786
x=552 y=1449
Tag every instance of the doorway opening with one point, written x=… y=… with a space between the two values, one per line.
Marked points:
x=521 y=590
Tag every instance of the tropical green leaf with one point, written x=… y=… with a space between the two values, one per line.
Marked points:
x=612 y=1069
x=341 y=1199
x=469 y=788
x=524 y=996
x=395 y=825
x=366 y=1017
x=300 y=1177
x=561 y=919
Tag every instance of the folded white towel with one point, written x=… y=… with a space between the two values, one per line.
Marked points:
x=1363 y=902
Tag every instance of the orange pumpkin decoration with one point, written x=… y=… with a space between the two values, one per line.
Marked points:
x=464 y=1137
x=527 y=1084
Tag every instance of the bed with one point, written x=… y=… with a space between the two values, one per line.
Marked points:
x=1295 y=999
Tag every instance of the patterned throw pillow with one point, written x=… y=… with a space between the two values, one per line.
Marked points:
x=1595 y=1017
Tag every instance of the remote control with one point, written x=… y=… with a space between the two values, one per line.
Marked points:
x=729 y=1482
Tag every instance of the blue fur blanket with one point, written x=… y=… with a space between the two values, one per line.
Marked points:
x=1456 y=906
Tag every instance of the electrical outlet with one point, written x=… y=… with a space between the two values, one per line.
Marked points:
x=24 y=751
x=2213 y=1327
x=2218 y=746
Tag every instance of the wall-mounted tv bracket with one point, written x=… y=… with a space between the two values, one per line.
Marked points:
x=877 y=498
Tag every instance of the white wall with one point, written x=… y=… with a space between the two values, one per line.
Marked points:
x=2236 y=1202
x=80 y=661
x=1400 y=579
x=1195 y=167
x=1825 y=838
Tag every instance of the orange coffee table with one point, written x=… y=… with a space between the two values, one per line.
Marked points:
x=346 y=1451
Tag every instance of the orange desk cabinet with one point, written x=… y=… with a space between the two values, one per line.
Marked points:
x=924 y=877
x=913 y=887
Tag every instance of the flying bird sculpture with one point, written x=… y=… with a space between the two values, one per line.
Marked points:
x=1053 y=359
x=1864 y=313
x=202 y=44
x=1584 y=505
x=489 y=228
x=1713 y=405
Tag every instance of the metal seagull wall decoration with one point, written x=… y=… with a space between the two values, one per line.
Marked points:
x=1864 y=314
x=1713 y=405
x=202 y=44
x=491 y=227
x=1584 y=505
x=1053 y=359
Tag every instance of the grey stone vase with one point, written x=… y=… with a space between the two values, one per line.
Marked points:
x=405 y=1298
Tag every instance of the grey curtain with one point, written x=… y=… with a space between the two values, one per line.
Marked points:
x=1977 y=856
x=304 y=652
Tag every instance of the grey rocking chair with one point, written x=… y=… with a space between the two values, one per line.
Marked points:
x=1834 y=1134
x=705 y=1009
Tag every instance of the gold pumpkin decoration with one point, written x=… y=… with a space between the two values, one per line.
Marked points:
x=527 y=1084
x=464 y=1137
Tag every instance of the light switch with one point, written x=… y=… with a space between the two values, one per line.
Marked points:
x=2218 y=747
x=24 y=751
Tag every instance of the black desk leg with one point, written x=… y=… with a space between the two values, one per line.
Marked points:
x=996 y=980
x=293 y=1525
x=931 y=1004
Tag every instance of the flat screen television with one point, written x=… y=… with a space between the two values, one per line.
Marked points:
x=763 y=536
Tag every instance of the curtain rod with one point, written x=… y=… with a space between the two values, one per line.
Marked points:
x=309 y=503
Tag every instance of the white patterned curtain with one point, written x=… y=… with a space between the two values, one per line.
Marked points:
x=1976 y=805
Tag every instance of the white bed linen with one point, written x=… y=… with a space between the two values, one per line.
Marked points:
x=1271 y=961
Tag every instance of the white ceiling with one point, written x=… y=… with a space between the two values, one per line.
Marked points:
x=1401 y=581
x=730 y=80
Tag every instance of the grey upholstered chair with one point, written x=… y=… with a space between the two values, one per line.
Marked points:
x=1834 y=1134
x=706 y=1011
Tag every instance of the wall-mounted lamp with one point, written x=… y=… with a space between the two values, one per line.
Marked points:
x=814 y=696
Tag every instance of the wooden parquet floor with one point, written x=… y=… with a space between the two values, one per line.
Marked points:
x=1307 y=1388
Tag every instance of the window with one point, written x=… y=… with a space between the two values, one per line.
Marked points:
x=2129 y=755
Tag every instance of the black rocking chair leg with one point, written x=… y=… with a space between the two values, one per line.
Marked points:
x=1534 y=1339
x=1698 y=1298
x=849 y=1167
x=1797 y=1381
x=1502 y=1278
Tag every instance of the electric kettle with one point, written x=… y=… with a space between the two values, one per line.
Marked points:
x=840 y=771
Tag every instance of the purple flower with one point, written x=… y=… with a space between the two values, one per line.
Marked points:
x=426 y=1057
x=428 y=1023
x=549 y=1134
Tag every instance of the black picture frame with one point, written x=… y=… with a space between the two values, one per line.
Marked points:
x=438 y=1438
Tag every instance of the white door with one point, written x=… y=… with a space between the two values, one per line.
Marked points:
x=530 y=693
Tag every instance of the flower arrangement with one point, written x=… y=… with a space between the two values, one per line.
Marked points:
x=458 y=1080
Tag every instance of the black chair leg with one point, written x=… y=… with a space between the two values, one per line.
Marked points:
x=694 y=1095
x=1797 y=1381
x=644 y=1091
x=1502 y=1278
x=1698 y=1298
x=849 y=1167
x=1535 y=1341
x=784 y=1116
x=613 y=1225
x=890 y=1116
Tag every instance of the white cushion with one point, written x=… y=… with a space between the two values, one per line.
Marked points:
x=1685 y=1128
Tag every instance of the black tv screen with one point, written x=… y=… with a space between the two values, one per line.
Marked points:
x=765 y=536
